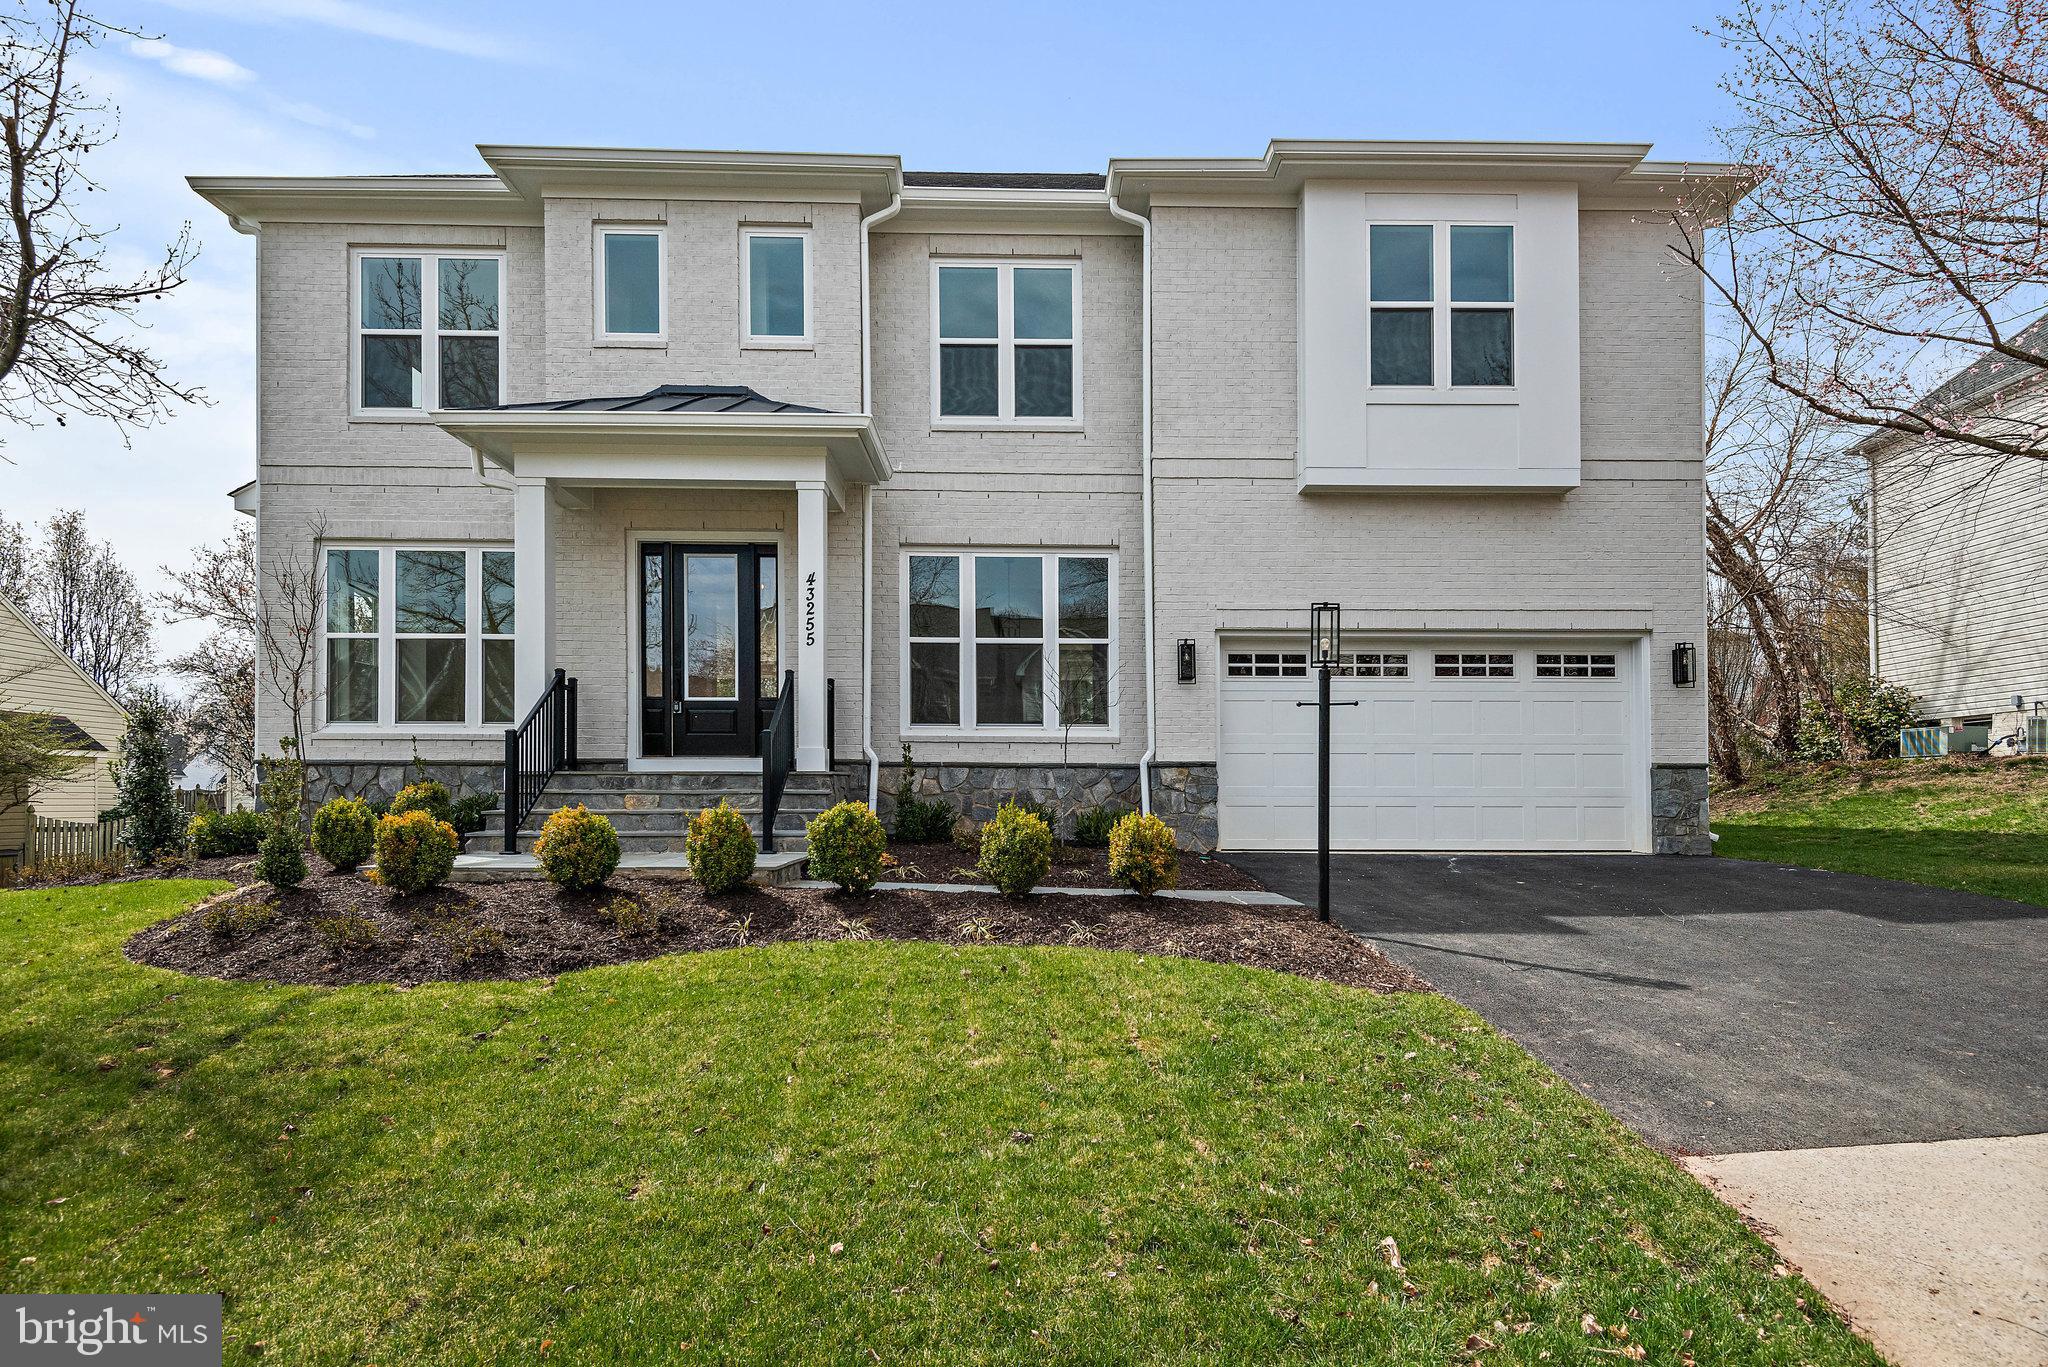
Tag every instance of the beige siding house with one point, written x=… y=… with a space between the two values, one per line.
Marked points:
x=1035 y=474
x=39 y=679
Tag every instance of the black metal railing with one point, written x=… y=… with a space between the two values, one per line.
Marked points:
x=778 y=757
x=536 y=750
x=831 y=722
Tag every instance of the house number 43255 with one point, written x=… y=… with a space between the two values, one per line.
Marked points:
x=811 y=608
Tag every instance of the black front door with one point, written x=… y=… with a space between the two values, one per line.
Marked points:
x=707 y=647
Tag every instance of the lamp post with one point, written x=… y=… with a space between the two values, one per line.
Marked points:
x=1325 y=648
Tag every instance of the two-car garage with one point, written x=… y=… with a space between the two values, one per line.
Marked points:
x=1453 y=745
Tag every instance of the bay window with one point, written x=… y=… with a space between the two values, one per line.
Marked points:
x=418 y=637
x=1442 y=300
x=429 y=331
x=1006 y=344
x=1008 y=641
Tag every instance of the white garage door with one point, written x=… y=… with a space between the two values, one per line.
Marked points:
x=1463 y=746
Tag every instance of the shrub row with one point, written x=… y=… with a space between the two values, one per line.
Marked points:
x=848 y=846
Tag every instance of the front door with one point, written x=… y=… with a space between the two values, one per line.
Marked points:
x=707 y=647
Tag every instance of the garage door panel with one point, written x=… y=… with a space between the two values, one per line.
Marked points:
x=1481 y=762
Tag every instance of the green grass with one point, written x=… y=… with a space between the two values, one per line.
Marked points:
x=654 y=1163
x=1981 y=826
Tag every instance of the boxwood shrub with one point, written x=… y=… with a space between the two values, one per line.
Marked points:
x=1016 y=850
x=1142 y=854
x=577 y=848
x=215 y=835
x=344 y=832
x=427 y=795
x=414 y=851
x=847 y=843
x=721 y=849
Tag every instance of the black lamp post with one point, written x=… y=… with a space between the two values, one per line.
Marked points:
x=1325 y=649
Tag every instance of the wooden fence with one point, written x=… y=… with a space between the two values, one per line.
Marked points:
x=50 y=838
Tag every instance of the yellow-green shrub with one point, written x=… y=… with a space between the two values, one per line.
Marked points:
x=414 y=851
x=1142 y=854
x=721 y=849
x=847 y=843
x=1016 y=850
x=427 y=795
x=344 y=832
x=577 y=848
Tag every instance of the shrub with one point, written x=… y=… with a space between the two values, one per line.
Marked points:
x=414 y=851
x=1092 y=826
x=1876 y=711
x=216 y=835
x=281 y=858
x=721 y=849
x=426 y=795
x=577 y=848
x=344 y=832
x=349 y=933
x=847 y=843
x=142 y=783
x=238 y=918
x=1016 y=849
x=632 y=919
x=466 y=940
x=1142 y=854
x=466 y=814
x=918 y=822
x=966 y=834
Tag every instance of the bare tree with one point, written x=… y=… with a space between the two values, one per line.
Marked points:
x=218 y=587
x=66 y=323
x=1896 y=229
x=290 y=630
x=80 y=595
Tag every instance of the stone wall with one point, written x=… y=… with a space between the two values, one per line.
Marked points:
x=380 y=782
x=1678 y=809
x=1183 y=796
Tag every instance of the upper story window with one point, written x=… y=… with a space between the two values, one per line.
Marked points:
x=1443 y=305
x=1011 y=642
x=429 y=331
x=1006 y=338
x=775 y=286
x=631 y=284
x=418 y=636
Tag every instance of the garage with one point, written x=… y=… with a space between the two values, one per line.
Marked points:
x=1454 y=745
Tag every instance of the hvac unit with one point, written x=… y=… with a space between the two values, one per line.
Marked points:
x=2037 y=735
x=1925 y=742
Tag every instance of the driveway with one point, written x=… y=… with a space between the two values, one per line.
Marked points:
x=1720 y=1006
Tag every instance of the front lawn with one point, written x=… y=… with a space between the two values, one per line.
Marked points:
x=1975 y=824
x=843 y=1152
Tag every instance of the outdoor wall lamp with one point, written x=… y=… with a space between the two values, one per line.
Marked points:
x=1325 y=634
x=1185 y=651
x=1684 y=665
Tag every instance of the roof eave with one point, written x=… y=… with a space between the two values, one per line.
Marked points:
x=538 y=171
x=495 y=435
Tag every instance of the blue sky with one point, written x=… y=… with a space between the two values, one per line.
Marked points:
x=342 y=86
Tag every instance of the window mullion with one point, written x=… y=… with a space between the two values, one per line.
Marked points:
x=1006 y=342
x=473 y=636
x=387 y=631
x=969 y=644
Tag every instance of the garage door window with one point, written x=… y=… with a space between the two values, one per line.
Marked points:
x=1574 y=666
x=1266 y=664
x=1009 y=642
x=1375 y=665
x=1469 y=665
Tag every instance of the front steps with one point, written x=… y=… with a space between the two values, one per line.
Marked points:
x=652 y=812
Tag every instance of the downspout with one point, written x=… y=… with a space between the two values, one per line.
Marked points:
x=1870 y=568
x=1144 y=226
x=867 y=508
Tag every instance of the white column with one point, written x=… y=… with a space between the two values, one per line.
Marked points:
x=533 y=592
x=811 y=595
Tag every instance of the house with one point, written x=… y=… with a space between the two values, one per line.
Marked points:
x=1036 y=474
x=1959 y=540
x=39 y=679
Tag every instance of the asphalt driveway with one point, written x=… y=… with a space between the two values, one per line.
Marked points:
x=1720 y=1006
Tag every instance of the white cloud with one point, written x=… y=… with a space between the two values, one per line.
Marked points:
x=199 y=63
x=314 y=116
x=350 y=16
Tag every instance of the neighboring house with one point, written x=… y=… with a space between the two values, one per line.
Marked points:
x=38 y=678
x=1037 y=473
x=1959 y=573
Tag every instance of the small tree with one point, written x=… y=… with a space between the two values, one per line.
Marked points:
x=142 y=782
x=281 y=859
x=32 y=759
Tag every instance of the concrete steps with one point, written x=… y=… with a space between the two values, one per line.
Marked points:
x=652 y=812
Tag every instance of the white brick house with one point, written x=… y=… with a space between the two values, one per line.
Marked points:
x=1038 y=474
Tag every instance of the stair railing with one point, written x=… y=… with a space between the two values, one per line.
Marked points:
x=536 y=750
x=778 y=757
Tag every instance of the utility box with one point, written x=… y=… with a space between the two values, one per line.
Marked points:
x=1925 y=742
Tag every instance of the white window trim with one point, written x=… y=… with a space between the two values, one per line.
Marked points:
x=748 y=338
x=1006 y=348
x=1441 y=308
x=1049 y=644
x=387 y=638
x=429 y=330
x=598 y=233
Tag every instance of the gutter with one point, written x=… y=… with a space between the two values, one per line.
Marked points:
x=1143 y=223
x=867 y=507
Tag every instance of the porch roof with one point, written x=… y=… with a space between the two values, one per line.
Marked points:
x=674 y=432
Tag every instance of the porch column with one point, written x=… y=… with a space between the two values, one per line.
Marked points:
x=811 y=596
x=533 y=592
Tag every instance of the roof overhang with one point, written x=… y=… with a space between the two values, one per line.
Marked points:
x=245 y=498
x=250 y=201
x=969 y=209
x=535 y=172
x=721 y=450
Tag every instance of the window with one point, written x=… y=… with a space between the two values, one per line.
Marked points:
x=775 y=287
x=1375 y=665
x=1475 y=666
x=632 y=278
x=1266 y=664
x=1574 y=666
x=410 y=357
x=419 y=637
x=1007 y=338
x=1443 y=303
x=1009 y=641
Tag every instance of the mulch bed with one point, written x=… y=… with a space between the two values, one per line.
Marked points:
x=1072 y=867
x=532 y=930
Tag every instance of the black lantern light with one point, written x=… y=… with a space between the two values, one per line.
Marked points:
x=1684 y=665
x=1325 y=635
x=1184 y=650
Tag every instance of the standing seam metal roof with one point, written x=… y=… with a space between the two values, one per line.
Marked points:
x=668 y=398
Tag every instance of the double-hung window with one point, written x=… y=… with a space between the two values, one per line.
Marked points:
x=418 y=637
x=1007 y=343
x=775 y=287
x=430 y=331
x=1009 y=641
x=632 y=285
x=1443 y=305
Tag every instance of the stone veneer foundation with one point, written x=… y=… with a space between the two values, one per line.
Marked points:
x=1678 y=809
x=1183 y=795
